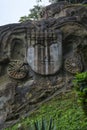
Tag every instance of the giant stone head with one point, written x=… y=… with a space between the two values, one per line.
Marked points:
x=44 y=54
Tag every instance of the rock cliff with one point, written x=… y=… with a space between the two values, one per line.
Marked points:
x=40 y=58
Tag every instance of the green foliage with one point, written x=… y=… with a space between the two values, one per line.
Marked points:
x=33 y=15
x=80 y=83
x=64 y=110
x=23 y=19
x=44 y=125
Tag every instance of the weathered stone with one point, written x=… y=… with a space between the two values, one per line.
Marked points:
x=6 y=99
x=45 y=56
x=44 y=46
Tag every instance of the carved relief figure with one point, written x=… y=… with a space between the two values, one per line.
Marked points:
x=45 y=52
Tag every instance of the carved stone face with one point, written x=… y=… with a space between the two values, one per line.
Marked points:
x=45 y=58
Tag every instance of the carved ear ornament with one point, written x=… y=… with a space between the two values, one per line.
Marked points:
x=73 y=64
x=17 y=69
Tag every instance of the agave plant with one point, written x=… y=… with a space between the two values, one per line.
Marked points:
x=44 y=125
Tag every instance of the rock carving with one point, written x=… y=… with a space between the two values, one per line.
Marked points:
x=17 y=69
x=45 y=52
x=38 y=59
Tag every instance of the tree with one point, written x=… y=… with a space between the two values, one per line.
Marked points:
x=33 y=15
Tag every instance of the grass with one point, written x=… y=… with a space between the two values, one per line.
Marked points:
x=64 y=110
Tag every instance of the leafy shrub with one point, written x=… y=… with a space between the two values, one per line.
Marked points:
x=80 y=83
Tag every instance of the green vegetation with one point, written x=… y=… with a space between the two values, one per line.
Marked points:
x=64 y=110
x=33 y=15
x=43 y=126
x=80 y=84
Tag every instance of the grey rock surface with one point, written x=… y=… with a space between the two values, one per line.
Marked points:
x=50 y=61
